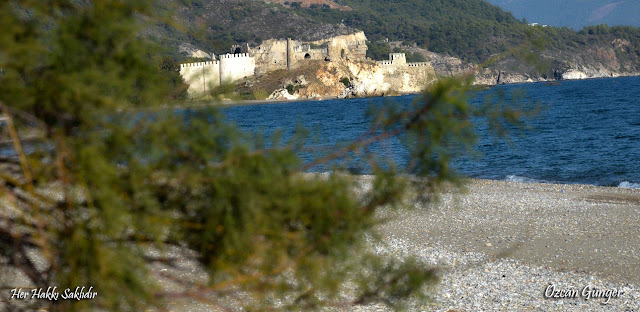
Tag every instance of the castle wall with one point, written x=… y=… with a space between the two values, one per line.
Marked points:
x=201 y=76
x=398 y=75
x=369 y=77
x=270 y=55
x=353 y=45
x=236 y=66
x=417 y=75
x=300 y=53
x=384 y=62
x=418 y=64
x=276 y=54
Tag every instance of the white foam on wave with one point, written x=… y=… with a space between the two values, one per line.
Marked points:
x=630 y=185
x=519 y=179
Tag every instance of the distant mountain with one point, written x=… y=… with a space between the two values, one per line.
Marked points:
x=574 y=13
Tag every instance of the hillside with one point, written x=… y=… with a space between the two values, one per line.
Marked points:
x=471 y=30
x=574 y=13
x=215 y=25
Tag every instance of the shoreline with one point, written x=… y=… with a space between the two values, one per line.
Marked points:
x=231 y=103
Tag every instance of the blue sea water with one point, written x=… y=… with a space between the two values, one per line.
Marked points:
x=587 y=133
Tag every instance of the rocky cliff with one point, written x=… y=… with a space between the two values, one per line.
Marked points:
x=599 y=61
x=340 y=79
x=347 y=78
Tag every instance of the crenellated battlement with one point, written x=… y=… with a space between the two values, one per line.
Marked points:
x=399 y=59
x=199 y=64
x=237 y=55
x=203 y=76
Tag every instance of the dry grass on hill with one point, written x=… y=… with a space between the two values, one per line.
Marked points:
x=265 y=84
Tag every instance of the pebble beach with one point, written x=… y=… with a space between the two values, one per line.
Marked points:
x=497 y=246
x=507 y=246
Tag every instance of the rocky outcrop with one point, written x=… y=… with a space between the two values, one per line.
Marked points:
x=345 y=78
x=587 y=71
x=494 y=77
x=375 y=79
x=444 y=65
x=351 y=47
x=281 y=94
x=189 y=50
x=366 y=78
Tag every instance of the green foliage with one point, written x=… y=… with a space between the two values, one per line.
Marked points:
x=90 y=59
x=260 y=95
x=215 y=28
x=470 y=29
x=73 y=64
x=171 y=69
x=411 y=56
x=378 y=50
x=224 y=90
x=292 y=88
x=415 y=57
x=345 y=81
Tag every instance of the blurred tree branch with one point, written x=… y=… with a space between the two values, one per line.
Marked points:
x=110 y=183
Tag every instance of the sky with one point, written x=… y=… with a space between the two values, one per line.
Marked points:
x=574 y=13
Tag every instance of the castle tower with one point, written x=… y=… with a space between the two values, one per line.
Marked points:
x=289 y=54
x=236 y=66
x=398 y=58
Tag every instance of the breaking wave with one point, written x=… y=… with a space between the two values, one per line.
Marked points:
x=519 y=179
x=627 y=184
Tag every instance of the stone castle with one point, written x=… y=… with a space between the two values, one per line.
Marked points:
x=202 y=76
x=274 y=54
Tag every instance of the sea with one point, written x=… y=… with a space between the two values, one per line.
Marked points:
x=587 y=132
